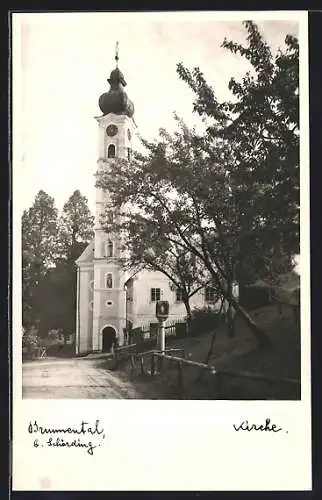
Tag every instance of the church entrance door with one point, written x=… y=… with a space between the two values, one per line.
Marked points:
x=109 y=335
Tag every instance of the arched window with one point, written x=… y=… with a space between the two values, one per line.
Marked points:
x=111 y=151
x=109 y=280
x=109 y=248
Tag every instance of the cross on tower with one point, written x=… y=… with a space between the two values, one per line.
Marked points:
x=117 y=53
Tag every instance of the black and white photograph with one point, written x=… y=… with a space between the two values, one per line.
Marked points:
x=162 y=171
x=161 y=201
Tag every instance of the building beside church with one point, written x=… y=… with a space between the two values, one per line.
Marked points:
x=108 y=298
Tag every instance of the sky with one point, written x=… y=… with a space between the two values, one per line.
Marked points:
x=60 y=66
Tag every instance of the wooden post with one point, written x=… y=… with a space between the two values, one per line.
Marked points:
x=180 y=379
x=142 y=365
x=161 y=343
x=160 y=363
x=162 y=336
x=152 y=365
x=213 y=338
x=132 y=363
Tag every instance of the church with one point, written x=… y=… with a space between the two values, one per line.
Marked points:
x=109 y=299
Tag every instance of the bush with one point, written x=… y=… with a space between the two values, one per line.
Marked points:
x=30 y=343
x=203 y=321
x=254 y=297
x=181 y=330
x=61 y=350
x=137 y=336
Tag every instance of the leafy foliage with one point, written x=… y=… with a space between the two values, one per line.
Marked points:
x=143 y=248
x=50 y=248
x=30 y=342
x=75 y=225
x=262 y=127
x=230 y=198
x=39 y=250
x=204 y=320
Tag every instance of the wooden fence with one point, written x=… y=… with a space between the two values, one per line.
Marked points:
x=151 y=363
x=172 y=328
x=182 y=362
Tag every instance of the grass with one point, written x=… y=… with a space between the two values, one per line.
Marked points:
x=241 y=353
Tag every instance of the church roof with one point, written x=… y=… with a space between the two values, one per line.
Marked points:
x=87 y=255
x=116 y=100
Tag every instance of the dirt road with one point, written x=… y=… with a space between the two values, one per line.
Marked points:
x=73 y=378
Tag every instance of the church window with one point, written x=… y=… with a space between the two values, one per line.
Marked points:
x=210 y=294
x=155 y=294
x=109 y=248
x=109 y=280
x=109 y=303
x=179 y=294
x=129 y=153
x=111 y=151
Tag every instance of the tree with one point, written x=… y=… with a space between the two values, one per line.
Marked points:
x=56 y=303
x=30 y=342
x=229 y=197
x=58 y=297
x=181 y=267
x=75 y=225
x=144 y=248
x=262 y=127
x=39 y=251
x=180 y=189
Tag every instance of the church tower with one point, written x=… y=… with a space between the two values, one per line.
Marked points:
x=116 y=129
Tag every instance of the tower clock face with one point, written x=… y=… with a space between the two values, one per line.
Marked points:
x=129 y=134
x=111 y=130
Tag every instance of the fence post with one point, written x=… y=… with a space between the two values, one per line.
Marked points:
x=161 y=336
x=142 y=365
x=152 y=365
x=132 y=363
x=180 y=379
x=160 y=363
x=209 y=354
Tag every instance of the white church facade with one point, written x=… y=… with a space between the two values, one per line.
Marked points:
x=109 y=300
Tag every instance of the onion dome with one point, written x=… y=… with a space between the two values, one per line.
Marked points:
x=116 y=100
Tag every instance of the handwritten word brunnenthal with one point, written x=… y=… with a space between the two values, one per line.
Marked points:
x=83 y=429
x=52 y=436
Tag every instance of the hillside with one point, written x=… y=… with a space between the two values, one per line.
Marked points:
x=281 y=360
